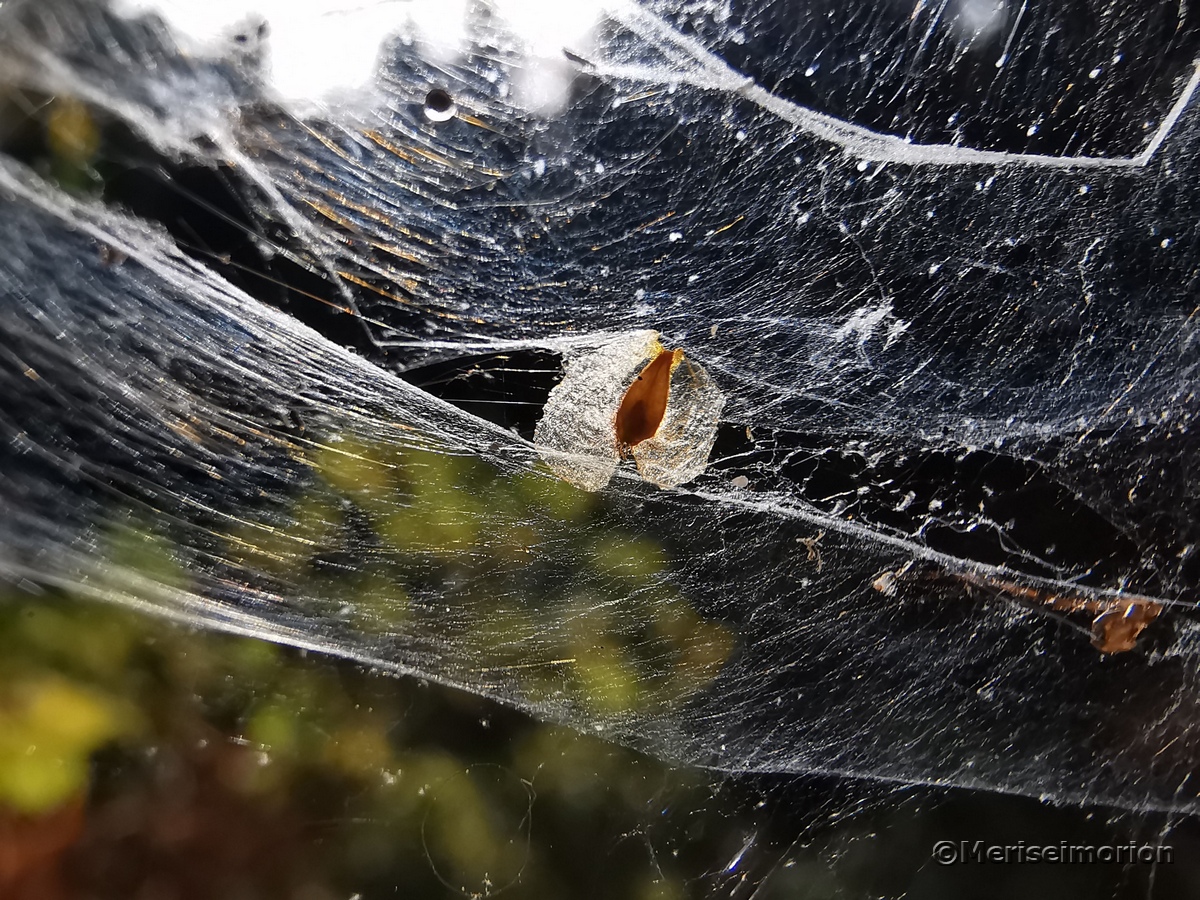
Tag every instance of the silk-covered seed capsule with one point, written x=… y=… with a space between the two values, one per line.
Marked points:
x=630 y=397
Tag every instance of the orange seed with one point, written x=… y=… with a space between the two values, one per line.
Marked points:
x=645 y=402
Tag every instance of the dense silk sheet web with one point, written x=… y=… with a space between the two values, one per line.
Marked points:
x=939 y=264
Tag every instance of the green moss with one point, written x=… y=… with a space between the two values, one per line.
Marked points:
x=137 y=548
x=608 y=680
x=88 y=643
x=632 y=559
x=275 y=729
x=625 y=644
x=49 y=727
x=358 y=468
x=561 y=500
x=360 y=748
x=660 y=888
x=476 y=831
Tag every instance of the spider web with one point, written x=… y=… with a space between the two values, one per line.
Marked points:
x=940 y=261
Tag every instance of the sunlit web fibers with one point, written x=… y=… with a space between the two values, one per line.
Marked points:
x=498 y=223
x=937 y=691
x=404 y=206
x=335 y=512
x=389 y=527
x=968 y=73
x=916 y=221
x=810 y=277
x=976 y=503
x=863 y=362
x=847 y=308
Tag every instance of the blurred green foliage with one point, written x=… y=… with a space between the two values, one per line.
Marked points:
x=417 y=786
x=522 y=572
x=391 y=783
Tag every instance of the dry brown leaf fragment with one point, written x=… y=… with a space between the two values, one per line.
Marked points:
x=1116 y=621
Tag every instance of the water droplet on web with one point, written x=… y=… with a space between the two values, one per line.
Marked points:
x=630 y=398
x=439 y=106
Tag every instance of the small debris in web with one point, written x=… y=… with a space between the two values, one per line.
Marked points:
x=630 y=399
x=811 y=544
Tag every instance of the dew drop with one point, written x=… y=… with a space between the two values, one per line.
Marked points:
x=439 y=106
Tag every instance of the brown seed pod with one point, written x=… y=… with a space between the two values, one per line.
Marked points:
x=645 y=403
x=630 y=398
